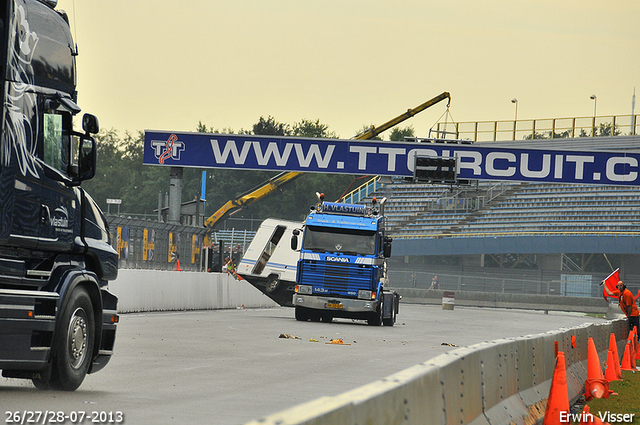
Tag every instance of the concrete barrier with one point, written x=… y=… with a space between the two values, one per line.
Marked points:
x=157 y=290
x=500 y=300
x=498 y=382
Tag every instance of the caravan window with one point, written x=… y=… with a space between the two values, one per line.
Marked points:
x=268 y=249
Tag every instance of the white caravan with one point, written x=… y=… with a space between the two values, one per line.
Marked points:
x=269 y=263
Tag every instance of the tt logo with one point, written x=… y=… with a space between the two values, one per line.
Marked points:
x=165 y=149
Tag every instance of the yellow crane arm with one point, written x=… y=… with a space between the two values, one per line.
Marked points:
x=374 y=131
x=285 y=177
x=250 y=196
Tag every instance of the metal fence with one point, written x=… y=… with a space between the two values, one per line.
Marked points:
x=146 y=244
x=564 y=284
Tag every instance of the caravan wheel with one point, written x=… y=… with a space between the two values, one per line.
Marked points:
x=273 y=284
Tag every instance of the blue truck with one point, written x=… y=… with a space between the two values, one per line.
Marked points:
x=342 y=269
x=57 y=318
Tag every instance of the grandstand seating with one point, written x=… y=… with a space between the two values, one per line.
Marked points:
x=421 y=210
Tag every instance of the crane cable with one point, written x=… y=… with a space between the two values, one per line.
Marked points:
x=446 y=114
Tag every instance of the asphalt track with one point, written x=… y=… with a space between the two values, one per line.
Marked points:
x=231 y=366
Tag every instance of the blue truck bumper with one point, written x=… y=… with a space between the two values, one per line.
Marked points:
x=334 y=304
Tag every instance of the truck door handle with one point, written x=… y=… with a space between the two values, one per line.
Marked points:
x=45 y=215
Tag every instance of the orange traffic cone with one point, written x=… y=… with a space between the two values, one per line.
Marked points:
x=558 y=401
x=626 y=358
x=610 y=374
x=631 y=340
x=635 y=341
x=595 y=386
x=588 y=418
x=613 y=347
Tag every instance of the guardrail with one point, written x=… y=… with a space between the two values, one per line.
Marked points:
x=497 y=382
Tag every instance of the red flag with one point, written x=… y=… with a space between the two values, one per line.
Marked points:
x=610 y=282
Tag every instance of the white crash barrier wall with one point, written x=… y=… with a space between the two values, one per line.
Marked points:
x=157 y=290
x=498 y=382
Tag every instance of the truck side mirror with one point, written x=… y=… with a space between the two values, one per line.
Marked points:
x=86 y=158
x=294 y=240
x=90 y=124
x=387 y=247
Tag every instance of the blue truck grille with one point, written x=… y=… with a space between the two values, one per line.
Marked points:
x=337 y=278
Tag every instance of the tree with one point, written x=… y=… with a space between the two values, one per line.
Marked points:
x=270 y=127
x=535 y=136
x=548 y=135
x=398 y=134
x=606 y=130
x=307 y=128
x=112 y=172
x=603 y=130
x=201 y=128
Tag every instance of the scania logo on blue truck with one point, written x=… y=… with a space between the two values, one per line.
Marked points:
x=338 y=259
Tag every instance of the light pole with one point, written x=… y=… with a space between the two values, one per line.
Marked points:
x=515 y=119
x=595 y=104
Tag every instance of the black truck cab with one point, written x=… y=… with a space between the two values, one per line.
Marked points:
x=57 y=317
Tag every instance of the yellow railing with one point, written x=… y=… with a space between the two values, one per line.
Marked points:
x=548 y=128
x=362 y=191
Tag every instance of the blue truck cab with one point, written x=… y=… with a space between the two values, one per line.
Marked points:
x=342 y=269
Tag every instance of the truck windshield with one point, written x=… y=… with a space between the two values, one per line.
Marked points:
x=347 y=241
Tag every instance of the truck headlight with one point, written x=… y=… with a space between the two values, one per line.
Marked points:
x=305 y=289
x=364 y=295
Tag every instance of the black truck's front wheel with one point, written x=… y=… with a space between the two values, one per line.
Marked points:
x=73 y=345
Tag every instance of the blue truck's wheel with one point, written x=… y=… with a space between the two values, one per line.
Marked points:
x=302 y=314
x=73 y=345
x=391 y=320
x=326 y=317
x=376 y=317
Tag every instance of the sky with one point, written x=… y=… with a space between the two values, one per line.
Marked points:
x=161 y=65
